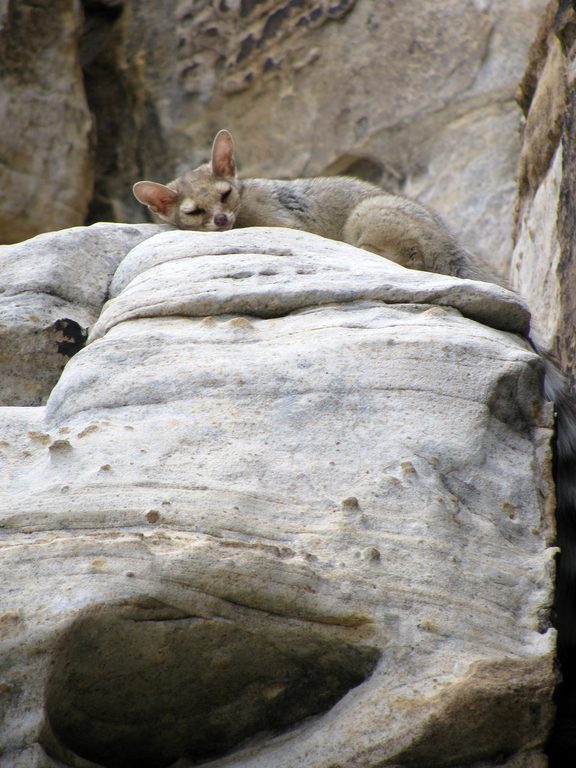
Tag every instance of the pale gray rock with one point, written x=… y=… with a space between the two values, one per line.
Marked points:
x=219 y=273
x=319 y=535
x=52 y=288
x=543 y=271
x=537 y=254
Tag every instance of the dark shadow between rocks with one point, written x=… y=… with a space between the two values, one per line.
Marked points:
x=73 y=336
x=143 y=685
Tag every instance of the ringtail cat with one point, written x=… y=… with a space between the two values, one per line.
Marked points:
x=212 y=198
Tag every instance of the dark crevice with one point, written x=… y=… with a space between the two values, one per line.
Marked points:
x=105 y=89
x=561 y=746
x=121 y=114
x=74 y=336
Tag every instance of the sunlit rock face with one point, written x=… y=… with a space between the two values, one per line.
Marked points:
x=289 y=506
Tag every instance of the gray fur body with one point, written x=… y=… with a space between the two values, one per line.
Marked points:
x=212 y=198
x=358 y=213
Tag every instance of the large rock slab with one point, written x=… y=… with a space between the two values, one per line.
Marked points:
x=318 y=521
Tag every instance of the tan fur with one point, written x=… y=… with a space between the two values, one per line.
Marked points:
x=337 y=207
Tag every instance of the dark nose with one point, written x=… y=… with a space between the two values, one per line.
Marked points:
x=221 y=220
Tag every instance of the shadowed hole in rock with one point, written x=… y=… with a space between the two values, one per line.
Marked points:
x=73 y=336
x=143 y=686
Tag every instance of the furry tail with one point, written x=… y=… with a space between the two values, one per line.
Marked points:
x=562 y=744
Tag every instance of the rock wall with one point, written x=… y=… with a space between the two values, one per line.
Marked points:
x=543 y=271
x=45 y=164
x=291 y=506
x=542 y=268
x=356 y=541
x=416 y=96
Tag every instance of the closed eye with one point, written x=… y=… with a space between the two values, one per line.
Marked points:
x=190 y=210
x=224 y=196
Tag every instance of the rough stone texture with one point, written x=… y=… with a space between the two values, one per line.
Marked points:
x=542 y=268
x=566 y=23
x=417 y=96
x=52 y=288
x=318 y=522
x=45 y=164
x=536 y=256
x=543 y=271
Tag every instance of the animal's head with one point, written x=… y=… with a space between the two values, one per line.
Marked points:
x=207 y=198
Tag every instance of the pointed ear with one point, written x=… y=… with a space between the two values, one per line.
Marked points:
x=223 y=163
x=159 y=198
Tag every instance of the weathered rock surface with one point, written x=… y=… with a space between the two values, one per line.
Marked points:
x=45 y=164
x=543 y=262
x=418 y=96
x=52 y=288
x=543 y=271
x=290 y=493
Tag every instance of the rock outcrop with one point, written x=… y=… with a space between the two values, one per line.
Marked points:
x=416 y=96
x=290 y=506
